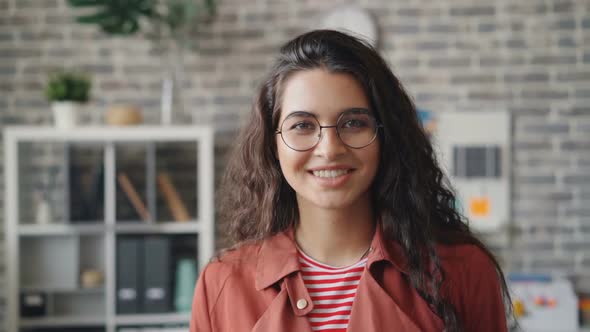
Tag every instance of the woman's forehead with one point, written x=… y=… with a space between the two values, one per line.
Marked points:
x=322 y=93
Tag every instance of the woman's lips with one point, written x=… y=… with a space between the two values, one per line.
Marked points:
x=332 y=182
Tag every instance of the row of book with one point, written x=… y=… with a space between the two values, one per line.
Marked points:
x=163 y=328
x=145 y=274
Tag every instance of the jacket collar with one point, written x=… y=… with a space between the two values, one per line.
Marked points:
x=278 y=258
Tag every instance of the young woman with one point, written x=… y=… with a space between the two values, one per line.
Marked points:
x=338 y=211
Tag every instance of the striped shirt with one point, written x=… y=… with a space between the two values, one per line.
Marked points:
x=332 y=291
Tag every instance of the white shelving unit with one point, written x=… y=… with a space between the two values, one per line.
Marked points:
x=102 y=234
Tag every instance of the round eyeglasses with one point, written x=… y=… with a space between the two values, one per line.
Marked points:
x=356 y=128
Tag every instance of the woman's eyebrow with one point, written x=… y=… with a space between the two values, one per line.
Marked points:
x=308 y=113
x=301 y=112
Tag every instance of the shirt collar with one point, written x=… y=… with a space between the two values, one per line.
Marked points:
x=278 y=257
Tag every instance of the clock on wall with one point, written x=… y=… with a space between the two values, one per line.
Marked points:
x=351 y=19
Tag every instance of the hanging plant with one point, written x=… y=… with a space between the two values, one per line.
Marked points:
x=116 y=17
x=165 y=19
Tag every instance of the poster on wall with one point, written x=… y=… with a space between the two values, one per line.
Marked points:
x=474 y=151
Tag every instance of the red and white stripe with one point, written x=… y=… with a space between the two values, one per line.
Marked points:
x=332 y=291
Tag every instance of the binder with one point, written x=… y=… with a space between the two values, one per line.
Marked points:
x=128 y=275
x=156 y=274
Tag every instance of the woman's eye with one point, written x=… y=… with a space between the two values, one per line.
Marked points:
x=306 y=126
x=354 y=123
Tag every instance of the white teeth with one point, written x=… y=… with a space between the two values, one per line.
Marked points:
x=330 y=173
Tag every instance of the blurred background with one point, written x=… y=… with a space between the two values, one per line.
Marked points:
x=503 y=86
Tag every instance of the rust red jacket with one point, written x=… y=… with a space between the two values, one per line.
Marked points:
x=256 y=289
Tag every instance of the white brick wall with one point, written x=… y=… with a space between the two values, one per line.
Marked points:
x=530 y=57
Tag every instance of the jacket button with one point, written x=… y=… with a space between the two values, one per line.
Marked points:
x=301 y=304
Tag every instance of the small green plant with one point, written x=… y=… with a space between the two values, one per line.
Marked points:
x=159 y=20
x=68 y=86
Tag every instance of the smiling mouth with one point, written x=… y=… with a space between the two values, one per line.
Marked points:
x=331 y=174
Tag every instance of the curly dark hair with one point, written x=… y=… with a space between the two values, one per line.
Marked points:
x=257 y=202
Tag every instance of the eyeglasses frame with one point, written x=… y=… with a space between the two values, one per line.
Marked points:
x=320 y=136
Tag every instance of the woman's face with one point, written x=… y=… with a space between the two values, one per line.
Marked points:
x=331 y=175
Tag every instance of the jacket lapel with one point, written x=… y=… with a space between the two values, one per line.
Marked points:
x=374 y=310
x=281 y=312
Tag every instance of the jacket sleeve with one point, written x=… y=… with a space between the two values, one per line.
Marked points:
x=482 y=301
x=200 y=313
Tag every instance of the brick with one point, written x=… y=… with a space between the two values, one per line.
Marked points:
x=575 y=245
x=517 y=26
x=6 y=36
x=34 y=4
x=141 y=69
x=450 y=62
x=529 y=110
x=407 y=62
x=498 y=61
x=516 y=43
x=402 y=29
x=473 y=79
x=553 y=60
x=537 y=94
x=473 y=11
x=553 y=264
x=543 y=161
x=232 y=100
x=434 y=45
x=490 y=95
x=526 y=7
x=7 y=71
x=565 y=24
x=38 y=36
x=464 y=45
x=442 y=28
x=536 y=246
x=535 y=212
x=19 y=53
x=98 y=68
x=30 y=103
x=563 y=6
x=559 y=128
x=242 y=34
x=580 y=211
x=58 y=19
x=575 y=111
x=535 y=179
x=487 y=27
x=579 y=178
x=575 y=145
x=573 y=76
x=526 y=77
x=567 y=42
x=431 y=96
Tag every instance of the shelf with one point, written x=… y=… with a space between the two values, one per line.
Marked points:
x=139 y=133
x=91 y=214
x=61 y=229
x=63 y=321
x=95 y=290
x=146 y=319
x=191 y=227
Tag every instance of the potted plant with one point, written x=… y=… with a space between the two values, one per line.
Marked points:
x=67 y=91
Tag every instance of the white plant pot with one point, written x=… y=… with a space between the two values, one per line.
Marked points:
x=65 y=113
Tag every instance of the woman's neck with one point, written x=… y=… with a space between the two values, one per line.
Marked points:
x=336 y=237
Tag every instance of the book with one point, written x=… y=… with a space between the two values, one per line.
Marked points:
x=133 y=196
x=129 y=289
x=156 y=274
x=172 y=198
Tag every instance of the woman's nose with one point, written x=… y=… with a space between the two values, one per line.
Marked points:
x=330 y=146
